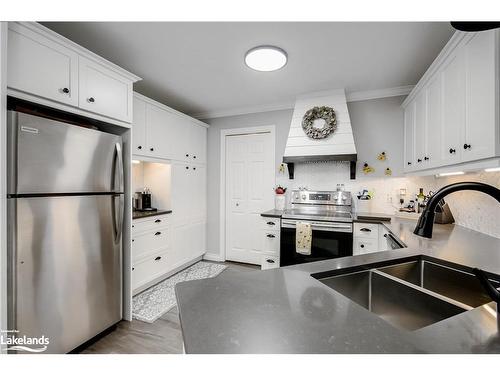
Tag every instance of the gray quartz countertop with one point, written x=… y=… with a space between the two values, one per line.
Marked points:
x=272 y=213
x=286 y=310
x=142 y=214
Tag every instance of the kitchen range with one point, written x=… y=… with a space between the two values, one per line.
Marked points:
x=329 y=214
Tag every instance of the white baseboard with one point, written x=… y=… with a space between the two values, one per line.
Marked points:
x=213 y=257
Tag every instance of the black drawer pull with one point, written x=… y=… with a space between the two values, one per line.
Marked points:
x=187 y=155
x=385 y=235
x=452 y=150
x=271 y=236
x=426 y=158
x=91 y=100
x=187 y=167
x=194 y=168
x=269 y=261
x=194 y=157
x=466 y=146
x=271 y=223
x=419 y=160
x=157 y=221
x=133 y=268
x=409 y=163
x=133 y=240
x=65 y=90
x=157 y=258
x=157 y=233
x=139 y=147
x=362 y=246
x=365 y=230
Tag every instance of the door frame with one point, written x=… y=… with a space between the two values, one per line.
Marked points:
x=271 y=129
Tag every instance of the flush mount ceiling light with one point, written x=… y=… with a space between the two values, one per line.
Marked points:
x=266 y=58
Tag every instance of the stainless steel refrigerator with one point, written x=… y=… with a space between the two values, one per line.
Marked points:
x=65 y=218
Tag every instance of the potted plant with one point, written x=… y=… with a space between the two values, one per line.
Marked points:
x=280 y=198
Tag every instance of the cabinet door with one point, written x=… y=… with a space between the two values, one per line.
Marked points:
x=453 y=76
x=159 y=136
x=409 y=134
x=434 y=123
x=198 y=191
x=139 y=128
x=39 y=66
x=198 y=143
x=181 y=197
x=420 y=129
x=103 y=91
x=181 y=135
x=479 y=135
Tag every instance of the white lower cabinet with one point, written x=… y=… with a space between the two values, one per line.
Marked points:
x=149 y=268
x=369 y=238
x=269 y=242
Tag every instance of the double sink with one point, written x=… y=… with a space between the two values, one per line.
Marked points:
x=411 y=293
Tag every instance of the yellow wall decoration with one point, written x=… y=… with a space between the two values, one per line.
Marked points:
x=367 y=169
x=382 y=156
x=388 y=171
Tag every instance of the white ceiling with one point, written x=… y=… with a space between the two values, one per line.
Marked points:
x=198 y=68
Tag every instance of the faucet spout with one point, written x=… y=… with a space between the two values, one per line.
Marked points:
x=426 y=220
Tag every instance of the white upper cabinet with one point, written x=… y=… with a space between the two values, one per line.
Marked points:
x=481 y=99
x=139 y=127
x=164 y=133
x=409 y=134
x=104 y=91
x=454 y=108
x=46 y=68
x=41 y=67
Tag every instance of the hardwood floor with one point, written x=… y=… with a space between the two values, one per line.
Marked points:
x=161 y=337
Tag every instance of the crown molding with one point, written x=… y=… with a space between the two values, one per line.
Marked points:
x=350 y=97
x=357 y=96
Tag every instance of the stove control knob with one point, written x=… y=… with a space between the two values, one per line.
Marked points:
x=296 y=196
x=303 y=197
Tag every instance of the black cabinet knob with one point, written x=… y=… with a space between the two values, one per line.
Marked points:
x=409 y=163
x=139 y=147
x=187 y=155
x=365 y=230
x=269 y=261
x=157 y=258
x=426 y=158
x=362 y=246
x=452 y=150
x=271 y=236
x=270 y=223
x=187 y=167
x=419 y=160
x=157 y=221
x=91 y=100
x=194 y=157
x=157 y=233
x=194 y=168
x=151 y=149
x=133 y=268
x=65 y=90
x=466 y=146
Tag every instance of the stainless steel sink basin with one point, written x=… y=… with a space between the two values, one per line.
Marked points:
x=452 y=283
x=402 y=304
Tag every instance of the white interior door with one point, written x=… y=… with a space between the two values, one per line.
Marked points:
x=250 y=180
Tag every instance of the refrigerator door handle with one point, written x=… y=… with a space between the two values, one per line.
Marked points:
x=119 y=167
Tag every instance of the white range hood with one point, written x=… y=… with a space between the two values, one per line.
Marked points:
x=337 y=146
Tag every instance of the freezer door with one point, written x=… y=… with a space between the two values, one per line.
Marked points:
x=66 y=268
x=47 y=156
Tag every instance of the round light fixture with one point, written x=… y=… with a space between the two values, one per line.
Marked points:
x=266 y=58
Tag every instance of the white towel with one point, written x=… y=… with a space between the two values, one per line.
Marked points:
x=303 y=238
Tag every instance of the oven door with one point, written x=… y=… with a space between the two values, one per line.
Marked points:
x=329 y=240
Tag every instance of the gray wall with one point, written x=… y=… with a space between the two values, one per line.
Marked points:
x=377 y=126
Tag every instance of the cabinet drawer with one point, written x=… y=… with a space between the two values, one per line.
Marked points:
x=103 y=91
x=364 y=246
x=271 y=223
x=147 y=242
x=366 y=230
x=148 y=269
x=150 y=224
x=271 y=242
x=269 y=262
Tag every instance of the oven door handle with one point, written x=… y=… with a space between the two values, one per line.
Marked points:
x=329 y=227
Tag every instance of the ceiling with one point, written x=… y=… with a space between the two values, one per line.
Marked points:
x=198 y=67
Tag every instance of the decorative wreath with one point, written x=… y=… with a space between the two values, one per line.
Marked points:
x=325 y=113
